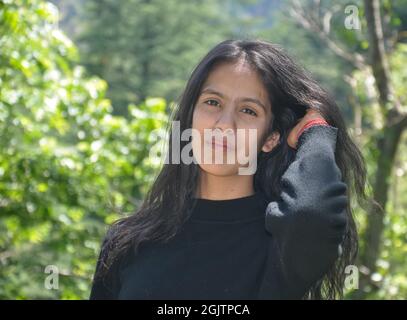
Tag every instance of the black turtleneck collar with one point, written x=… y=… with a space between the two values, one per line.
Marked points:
x=231 y=210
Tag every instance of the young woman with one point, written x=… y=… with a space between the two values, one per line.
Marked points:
x=204 y=231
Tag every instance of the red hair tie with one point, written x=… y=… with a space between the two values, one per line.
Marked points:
x=314 y=122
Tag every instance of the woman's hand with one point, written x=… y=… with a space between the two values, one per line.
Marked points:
x=311 y=114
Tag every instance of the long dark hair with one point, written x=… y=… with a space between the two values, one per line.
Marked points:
x=291 y=91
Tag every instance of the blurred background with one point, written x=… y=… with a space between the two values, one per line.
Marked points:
x=83 y=83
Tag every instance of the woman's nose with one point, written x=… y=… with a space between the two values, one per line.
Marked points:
x=226 y=121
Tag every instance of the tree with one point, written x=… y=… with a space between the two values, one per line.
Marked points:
x=68 y=167
x=368 y=54
x=147 y=47
x=388 y=141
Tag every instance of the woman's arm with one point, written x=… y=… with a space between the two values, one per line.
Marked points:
x=104 y=288
x=308 y=222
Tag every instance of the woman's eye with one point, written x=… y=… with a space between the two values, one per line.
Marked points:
x=250 y=111
x=212 y=102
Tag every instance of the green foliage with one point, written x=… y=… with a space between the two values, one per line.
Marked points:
x=150 y=47
x=67 y=165
x=390 y=280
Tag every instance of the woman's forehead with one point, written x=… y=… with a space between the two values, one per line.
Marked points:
x=235 y=81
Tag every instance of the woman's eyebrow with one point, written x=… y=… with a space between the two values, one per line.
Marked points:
x=212 y=91
x=245 y=99
x=254 y=100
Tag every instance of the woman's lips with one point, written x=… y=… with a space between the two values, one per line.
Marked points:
x=223 y=145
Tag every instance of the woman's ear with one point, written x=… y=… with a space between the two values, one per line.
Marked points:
x=271 y=142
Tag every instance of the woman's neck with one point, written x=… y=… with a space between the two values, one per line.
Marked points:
x=224 y=187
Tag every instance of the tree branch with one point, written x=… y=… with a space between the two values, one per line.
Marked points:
x=378 y=56
x=311 y=22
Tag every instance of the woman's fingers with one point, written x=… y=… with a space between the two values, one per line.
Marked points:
x=310 y=115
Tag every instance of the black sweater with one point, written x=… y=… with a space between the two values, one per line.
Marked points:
x=247 y=248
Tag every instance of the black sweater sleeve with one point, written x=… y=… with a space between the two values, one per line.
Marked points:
x=308 y=221
x=105 y=288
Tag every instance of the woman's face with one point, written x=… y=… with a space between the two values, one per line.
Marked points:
x=233 y=97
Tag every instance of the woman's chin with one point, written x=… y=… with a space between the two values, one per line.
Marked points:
x=220 y=169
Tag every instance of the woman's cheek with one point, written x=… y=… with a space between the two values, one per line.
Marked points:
x=200 y=119
x=250 y=146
